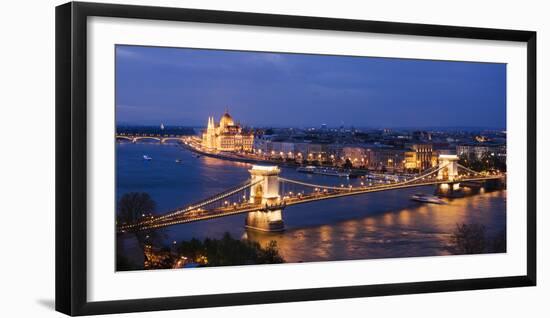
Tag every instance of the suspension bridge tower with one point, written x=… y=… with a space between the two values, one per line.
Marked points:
x=265 y=192
x=448 y=172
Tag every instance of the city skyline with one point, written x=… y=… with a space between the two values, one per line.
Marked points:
x=183 y=86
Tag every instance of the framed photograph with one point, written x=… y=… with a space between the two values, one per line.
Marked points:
x=209 y=158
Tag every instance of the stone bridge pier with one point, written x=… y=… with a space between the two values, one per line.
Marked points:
x=450 y=173
x=269 y=218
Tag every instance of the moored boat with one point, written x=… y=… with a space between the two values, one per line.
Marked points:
x=323 y=171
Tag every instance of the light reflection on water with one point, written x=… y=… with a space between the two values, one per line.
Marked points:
x=376 y=225
x=419 y=231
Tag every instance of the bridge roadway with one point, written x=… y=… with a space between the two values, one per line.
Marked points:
x=200 y=215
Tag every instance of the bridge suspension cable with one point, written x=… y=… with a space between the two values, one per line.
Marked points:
x=312 y=185
x=212 y=199
x=217 y=197
x=425 y=174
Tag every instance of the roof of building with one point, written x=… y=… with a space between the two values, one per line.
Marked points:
x=226 y=120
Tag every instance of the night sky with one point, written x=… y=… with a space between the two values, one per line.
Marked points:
x=184 y=86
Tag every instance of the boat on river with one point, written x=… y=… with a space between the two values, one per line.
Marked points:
x=427 y=198
x=146 y=157
x=324 y=171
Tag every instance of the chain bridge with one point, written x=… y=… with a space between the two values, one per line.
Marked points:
x=265 y=195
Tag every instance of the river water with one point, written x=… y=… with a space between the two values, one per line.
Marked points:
x=376 y=225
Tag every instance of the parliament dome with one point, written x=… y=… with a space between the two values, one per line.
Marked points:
x=226 y=120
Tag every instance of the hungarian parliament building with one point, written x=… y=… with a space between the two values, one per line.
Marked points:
x=227 y=136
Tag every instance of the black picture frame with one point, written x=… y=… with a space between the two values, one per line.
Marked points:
x=71 y=157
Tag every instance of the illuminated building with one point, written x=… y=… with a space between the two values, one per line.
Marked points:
x=226 y=136
x=478 y=151
x=420 y=157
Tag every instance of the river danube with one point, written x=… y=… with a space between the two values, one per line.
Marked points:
x=375 y=225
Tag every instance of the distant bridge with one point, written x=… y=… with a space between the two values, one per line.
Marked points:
x=162 y=138
x=266 y=194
